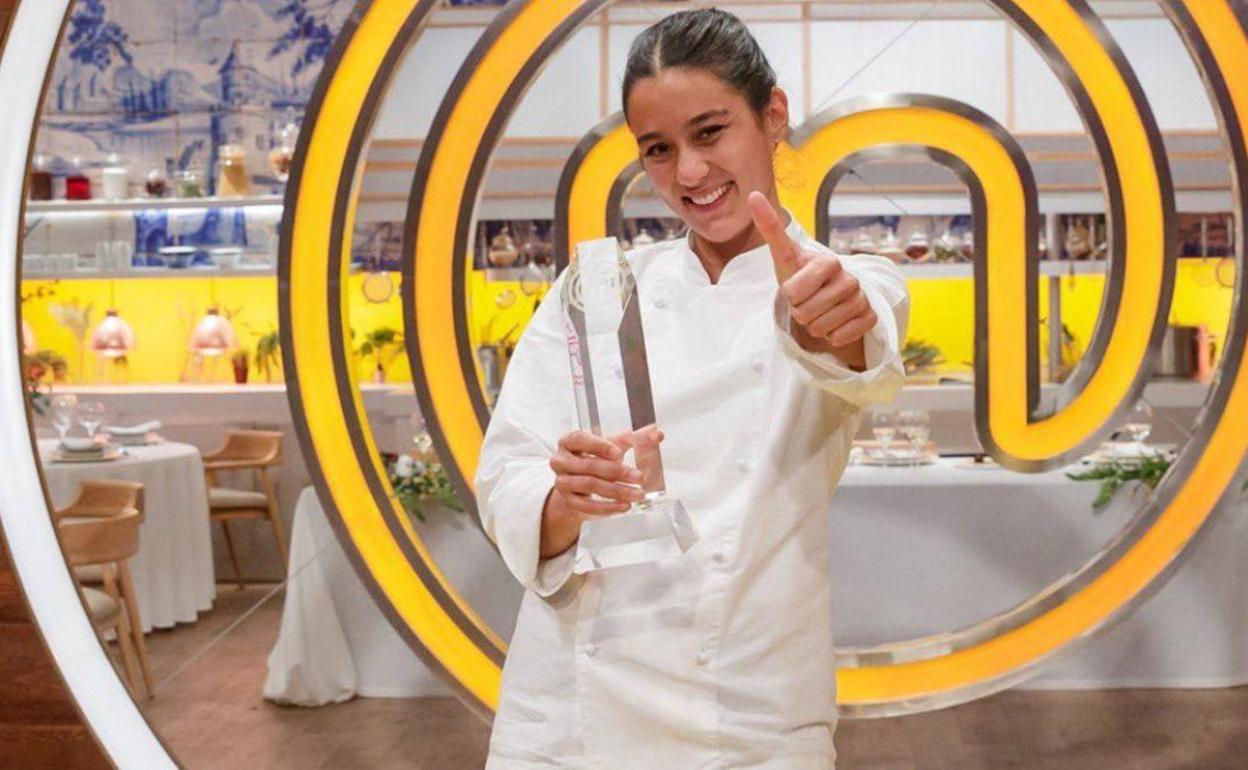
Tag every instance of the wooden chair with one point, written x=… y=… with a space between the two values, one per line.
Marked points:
x=101 y=529
x=257 y=451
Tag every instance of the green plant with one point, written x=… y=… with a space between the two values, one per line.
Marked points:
x=918 y=355
x=269 y=354
x=1112 y=474
x=382 y=344
x=417 y=481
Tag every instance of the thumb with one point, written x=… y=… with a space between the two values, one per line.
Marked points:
x=783 y=250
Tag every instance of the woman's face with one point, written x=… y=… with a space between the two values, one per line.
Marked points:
x=704 y=148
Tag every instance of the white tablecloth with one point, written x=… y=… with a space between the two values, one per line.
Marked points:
x=916 y=551
x=173 y=574
x=334 y=642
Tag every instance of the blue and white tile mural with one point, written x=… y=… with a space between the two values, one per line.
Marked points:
x=155 y=80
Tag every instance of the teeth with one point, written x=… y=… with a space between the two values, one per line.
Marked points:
x=711 y=198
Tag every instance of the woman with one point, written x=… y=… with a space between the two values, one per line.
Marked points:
x=763 y=347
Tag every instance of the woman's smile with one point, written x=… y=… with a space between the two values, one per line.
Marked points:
x=710 y=201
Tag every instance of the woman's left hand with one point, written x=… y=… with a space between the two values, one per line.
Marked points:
x=824 y=298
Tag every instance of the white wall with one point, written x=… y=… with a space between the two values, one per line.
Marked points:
x=964 y=59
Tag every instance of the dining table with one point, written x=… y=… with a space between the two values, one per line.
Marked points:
x=915 y=550
x=173 y=570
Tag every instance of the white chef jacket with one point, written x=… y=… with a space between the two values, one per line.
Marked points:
x=722 y=657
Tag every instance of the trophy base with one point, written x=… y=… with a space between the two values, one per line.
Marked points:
x=652 y=530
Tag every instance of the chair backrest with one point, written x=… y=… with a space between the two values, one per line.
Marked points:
x=104 y=498
x=257 y=447
x=93 y=540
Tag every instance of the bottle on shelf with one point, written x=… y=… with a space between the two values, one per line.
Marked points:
x=77 y=183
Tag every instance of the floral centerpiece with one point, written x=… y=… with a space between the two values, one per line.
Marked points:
x=419 y=479
x=1145 y=471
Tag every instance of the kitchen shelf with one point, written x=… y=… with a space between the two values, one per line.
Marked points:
x=1048 y=267
x=149 y=272
x=149 y=204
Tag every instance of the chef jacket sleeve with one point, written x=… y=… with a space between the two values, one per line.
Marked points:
x=885 y=289
x=514 y=477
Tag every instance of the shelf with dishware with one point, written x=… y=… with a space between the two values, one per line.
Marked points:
x=148 y=204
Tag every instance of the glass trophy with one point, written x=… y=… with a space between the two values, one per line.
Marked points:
x=611 y=384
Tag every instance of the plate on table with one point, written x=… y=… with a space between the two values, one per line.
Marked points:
x=146 y=439
x=106 y=453
x=897 y=458
x=1128 y=451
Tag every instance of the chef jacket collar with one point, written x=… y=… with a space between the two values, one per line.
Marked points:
x=747 y=267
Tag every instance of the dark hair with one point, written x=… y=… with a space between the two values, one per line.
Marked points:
x=706 y=38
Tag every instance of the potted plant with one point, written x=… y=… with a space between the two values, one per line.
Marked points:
x=382 y=344
x=39 y=371
x=919 y=357
x=76 y=317
x=268 y=355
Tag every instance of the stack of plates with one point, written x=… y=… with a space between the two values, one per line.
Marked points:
x=134 y=435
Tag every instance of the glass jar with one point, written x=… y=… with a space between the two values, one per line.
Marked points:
x=503 y=252
x=115 y=178
x=863 y=243
x=967 y=249
x=917 y=247
x=282 y=153
x=156 y=184
x=77 y=183
x=891 y=247
x=946 y=247
x=233 y=180
x=189 y=183
x=40 y=178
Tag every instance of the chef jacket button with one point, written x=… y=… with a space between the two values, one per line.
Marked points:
x=704 y=657
x=720 y=555
x=757 y=365
x=745 y=466
x=660 y=303
x=591 y=650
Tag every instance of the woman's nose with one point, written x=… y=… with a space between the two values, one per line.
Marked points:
x=691 y=169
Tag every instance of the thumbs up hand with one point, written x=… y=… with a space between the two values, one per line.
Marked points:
x=831 y=312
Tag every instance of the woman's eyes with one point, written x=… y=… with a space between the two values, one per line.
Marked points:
x=709 y=133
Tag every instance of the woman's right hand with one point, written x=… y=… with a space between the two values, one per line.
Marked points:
x=591 y=480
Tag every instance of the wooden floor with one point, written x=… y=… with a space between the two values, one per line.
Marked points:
x=212 y=716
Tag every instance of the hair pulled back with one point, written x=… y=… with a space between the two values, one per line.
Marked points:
x=706 y=38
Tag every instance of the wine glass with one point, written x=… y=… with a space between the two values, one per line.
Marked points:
x=64 y=411
x=1139 y=422
x=915 y=425
x=884 y=428
x=91 y=416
